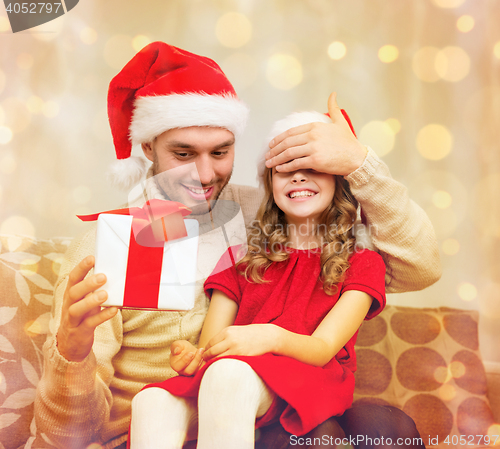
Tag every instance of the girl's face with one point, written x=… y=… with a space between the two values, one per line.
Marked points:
x=303 y=195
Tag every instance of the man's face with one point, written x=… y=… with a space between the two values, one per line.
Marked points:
x=194 y=164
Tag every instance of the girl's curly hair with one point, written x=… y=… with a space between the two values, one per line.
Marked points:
x=268 y=237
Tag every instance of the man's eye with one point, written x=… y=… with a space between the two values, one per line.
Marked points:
x=182 y=155
x=219 y=153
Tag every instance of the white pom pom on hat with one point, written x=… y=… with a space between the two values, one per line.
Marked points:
x=125 y=173
x=161 y=88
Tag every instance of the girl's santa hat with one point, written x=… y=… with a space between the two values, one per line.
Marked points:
x=161 y=88
x=291 y=121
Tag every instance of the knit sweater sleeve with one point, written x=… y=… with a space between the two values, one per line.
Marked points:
x=399 y=228
x=73 y=399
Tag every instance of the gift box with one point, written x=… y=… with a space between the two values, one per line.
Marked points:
x=145 y=268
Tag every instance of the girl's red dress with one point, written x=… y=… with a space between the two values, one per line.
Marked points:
x=294 y=299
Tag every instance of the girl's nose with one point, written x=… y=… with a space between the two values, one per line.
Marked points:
x=299 y=176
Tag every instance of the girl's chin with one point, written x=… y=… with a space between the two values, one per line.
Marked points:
x=298 y=220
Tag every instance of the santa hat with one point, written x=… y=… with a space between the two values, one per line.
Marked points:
x=161 y=88
x=291 y=121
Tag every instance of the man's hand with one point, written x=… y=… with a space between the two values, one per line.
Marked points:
x=324 y=147
x=185 y=359
x=81 y=312
x=253 y=339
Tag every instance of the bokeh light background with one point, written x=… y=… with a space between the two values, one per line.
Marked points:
x=419 y=78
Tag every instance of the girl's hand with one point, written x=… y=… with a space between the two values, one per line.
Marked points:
x=325 y=147
x=185 y=359
x=253 y=339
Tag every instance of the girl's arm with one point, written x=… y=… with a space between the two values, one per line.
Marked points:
x=185 y=359
x=221 y=314
x=334 y=331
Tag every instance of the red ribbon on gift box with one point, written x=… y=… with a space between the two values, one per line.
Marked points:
x=153 y=224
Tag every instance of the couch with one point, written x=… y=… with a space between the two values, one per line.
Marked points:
x=425 y=361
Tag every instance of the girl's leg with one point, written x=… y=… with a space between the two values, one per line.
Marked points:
x=231 y=397
x=161 y=420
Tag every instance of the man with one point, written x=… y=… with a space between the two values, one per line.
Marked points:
x=184 y=112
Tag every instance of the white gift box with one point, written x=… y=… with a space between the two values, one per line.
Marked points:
x=178 y=270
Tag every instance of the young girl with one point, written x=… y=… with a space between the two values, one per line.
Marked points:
x=278 y=339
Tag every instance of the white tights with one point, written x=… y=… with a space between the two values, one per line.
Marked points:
x=231 y=397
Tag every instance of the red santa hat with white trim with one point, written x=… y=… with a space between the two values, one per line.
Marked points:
x=291 y=121
x=161 y=88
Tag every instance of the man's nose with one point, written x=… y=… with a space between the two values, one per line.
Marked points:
x=205 y=171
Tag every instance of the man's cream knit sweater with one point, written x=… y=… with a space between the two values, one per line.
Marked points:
x=89 y=401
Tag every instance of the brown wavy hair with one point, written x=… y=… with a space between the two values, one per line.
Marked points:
x=267 y=241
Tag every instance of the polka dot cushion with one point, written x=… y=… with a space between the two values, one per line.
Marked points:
x=28 y=272
x=427 y=362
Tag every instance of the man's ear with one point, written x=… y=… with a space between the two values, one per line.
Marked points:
x=147 y=149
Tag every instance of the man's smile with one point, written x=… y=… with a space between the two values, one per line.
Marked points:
x=199 y=193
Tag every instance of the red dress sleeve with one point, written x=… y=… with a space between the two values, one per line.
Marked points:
x=367 y=274
x=225 y=276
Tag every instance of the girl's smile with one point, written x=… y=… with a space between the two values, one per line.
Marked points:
x=303 y=195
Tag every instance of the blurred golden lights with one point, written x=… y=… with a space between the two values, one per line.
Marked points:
x=434 y=142
x=284 y=71
x=337 y=50
x=450 y=247
x=465 y=23
x=17 y=115
x=35 y=104
x=19 y=225
x=24 y=61
x=140 y=41
x=457 y=369
x=493 y=432
x=379 y=135
x=394 y=124
x=467 y=291
x=88 y=36
x=496 y=52
x=423 y=64
x=448 y=3
x=56 y=265
x=5 y=135
x=233 y=30
x=50 y=109
x=452 y=64
x=442 y=374
x=4 y=24
x=447 y=392
x=8 y=164
x=28 y=267
x=388 y=53
x=441 y=199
